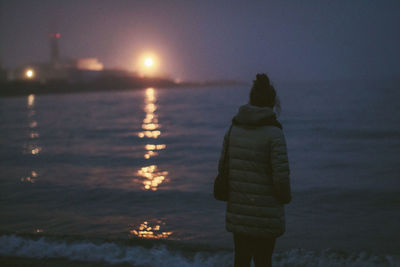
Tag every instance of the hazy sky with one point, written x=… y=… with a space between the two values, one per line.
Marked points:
x=309 y=39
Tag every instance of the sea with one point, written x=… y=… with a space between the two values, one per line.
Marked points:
x=126 y=177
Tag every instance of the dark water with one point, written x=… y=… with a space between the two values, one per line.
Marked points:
x=138 y=166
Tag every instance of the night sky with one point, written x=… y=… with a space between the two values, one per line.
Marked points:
x=204 y=40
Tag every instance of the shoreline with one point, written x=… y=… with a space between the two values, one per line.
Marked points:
x=24 y=88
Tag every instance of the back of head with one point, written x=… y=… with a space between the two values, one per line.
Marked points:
x=262 y=93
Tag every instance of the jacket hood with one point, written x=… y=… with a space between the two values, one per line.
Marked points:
x=249 y=115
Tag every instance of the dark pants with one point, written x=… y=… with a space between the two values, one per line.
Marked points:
x=246 y=248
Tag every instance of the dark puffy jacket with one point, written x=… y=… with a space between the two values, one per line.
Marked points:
x=258 y=174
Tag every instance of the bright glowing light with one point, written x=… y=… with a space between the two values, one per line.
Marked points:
x=148 y=62
x=29 y=73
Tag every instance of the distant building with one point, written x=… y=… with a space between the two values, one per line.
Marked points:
x=54 y=50
x=58 y=69
x=89 y=64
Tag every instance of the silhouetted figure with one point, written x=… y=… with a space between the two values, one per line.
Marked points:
x=259 y=181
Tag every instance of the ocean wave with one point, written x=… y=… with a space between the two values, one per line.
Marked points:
x=162 y=255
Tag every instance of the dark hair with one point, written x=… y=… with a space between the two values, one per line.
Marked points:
x=262 y=93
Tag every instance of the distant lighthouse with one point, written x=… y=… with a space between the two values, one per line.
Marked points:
x=54 y=50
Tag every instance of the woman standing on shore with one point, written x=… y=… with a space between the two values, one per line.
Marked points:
x=259 y=183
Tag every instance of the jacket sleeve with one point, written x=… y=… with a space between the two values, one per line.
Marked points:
x=222 y=156
x=280 y=169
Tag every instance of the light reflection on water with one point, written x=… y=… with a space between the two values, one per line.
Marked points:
x=151 y=130
x=31 y=100
x=146 y=230
x=32 y=147
x=151 y=150
x=31 y=178
x=150 y=122
x=152 y=176
x=149 y=134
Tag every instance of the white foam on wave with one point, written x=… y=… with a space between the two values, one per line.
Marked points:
x=12 y=245
x=331 y=258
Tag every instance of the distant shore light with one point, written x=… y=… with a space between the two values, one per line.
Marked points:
x=149 y=62
x=29 y=73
